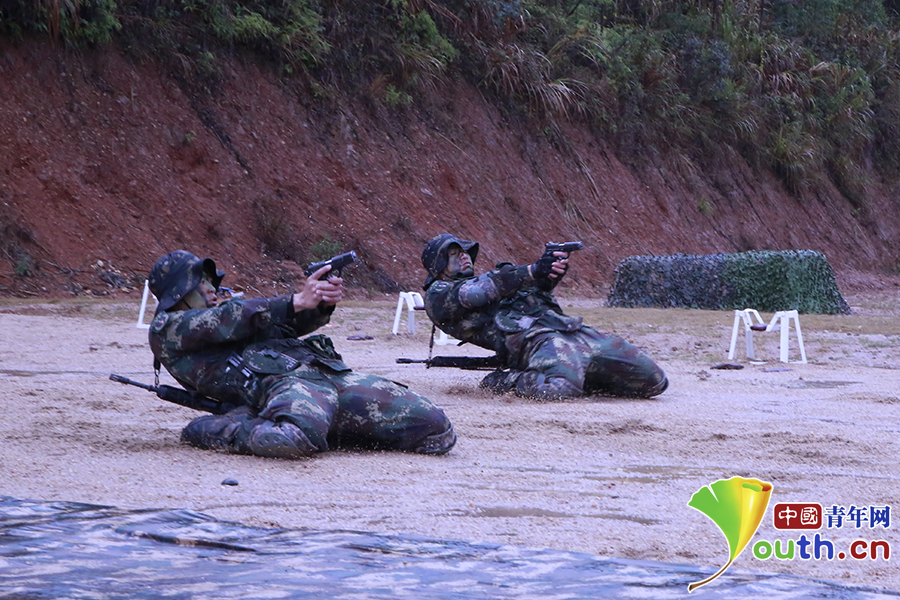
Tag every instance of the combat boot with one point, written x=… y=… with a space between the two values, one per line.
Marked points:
x=230 y=431
x=538 y=386
x=500 y=381
x=280 y=439
x=439 y=443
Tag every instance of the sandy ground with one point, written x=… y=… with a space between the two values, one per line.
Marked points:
x=606 y=476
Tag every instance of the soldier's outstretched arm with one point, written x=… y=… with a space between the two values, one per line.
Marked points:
x=494 y=285
x=196 y=329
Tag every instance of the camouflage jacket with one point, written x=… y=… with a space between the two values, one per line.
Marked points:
x=220 y=351
x=516 y=308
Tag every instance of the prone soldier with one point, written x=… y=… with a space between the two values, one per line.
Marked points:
x=511 y=310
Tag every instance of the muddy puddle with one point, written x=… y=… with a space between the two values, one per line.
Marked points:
x=71 y=550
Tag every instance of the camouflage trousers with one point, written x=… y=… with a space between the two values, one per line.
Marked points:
x=308 y=411
x=563 y=365
x=353 y=409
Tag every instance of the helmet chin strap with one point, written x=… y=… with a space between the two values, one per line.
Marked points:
x=461 y=274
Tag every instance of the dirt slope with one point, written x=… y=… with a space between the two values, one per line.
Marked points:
x=106 y=164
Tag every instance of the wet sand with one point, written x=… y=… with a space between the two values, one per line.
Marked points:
x=605 y=476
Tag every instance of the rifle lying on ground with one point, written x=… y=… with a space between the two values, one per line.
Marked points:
x=337 y=264
x=472 y=363
x=180 y=396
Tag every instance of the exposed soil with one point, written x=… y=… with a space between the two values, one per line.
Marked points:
x=106 y=164
x=606 y=476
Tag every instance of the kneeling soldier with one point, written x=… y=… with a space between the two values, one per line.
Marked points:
x=295 y=396
x=511 y=310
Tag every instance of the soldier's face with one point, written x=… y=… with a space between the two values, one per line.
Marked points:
x=458 y=262
x=204 y=295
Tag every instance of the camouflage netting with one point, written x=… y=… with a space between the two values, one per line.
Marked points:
x=768 y=281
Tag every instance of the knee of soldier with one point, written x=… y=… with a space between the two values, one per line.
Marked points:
x=439 y=443
x=655 y=381
x=662 y=383
x=312 y=425
x=651 y=386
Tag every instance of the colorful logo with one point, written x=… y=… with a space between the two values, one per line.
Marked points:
x=737 y=506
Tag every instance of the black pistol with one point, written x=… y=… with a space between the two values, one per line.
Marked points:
x=567 y=247
x=337 y=264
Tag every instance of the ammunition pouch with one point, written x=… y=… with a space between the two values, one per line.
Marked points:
x=277 y=357
x=511 y=320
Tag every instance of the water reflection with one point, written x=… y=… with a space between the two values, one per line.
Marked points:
x=72 y=550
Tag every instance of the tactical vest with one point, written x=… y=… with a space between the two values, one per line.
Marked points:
x=533 y=310
x=277 y=357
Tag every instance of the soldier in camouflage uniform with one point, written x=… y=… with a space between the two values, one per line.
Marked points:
x=511 y=310
x=296 y=396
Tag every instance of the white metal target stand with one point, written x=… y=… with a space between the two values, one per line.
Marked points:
x=781 y=322
x=147 y=294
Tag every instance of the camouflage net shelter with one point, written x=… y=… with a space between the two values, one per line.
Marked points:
x=768 y=281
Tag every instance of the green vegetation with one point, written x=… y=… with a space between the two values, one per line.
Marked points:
x=807 y=88
x=15 y=240
x=768 y=281
x=799 y=280
x=274 y=231
x=324 y=249
x=24 y=266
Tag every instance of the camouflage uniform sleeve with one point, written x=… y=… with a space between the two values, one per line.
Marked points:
x=191 y=330
x=468 y=302
x=547 y=284
x=307 y=321
x=494 y=285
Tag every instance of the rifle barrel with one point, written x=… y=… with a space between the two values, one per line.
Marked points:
x=126 y=381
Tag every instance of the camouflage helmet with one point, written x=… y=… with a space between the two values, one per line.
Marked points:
x=177 y=273
x=434 y=256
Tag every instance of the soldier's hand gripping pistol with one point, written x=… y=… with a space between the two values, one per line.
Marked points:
x=544 y=268
x=337 y=264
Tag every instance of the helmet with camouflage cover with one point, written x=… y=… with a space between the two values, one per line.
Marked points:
x=177 y=273
x=434 y=256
